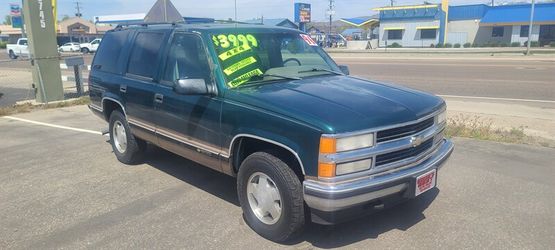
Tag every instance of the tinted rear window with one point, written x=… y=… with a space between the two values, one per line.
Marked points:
x=108 y=54
x=144 y=56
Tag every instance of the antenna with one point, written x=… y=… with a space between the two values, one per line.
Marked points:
x=78 y=8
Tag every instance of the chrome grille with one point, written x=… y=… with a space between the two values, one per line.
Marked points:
x=404 y=153
x=400 y=132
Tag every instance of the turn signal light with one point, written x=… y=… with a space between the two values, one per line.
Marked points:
x=326 y=169
x=328 y=145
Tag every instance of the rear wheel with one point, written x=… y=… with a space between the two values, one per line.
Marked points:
x=85 y=50
x=271 y=197
x=12 y=55
x=128 y=149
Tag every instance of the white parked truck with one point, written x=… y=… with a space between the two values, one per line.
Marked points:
x=21 y=48
x=90 y=47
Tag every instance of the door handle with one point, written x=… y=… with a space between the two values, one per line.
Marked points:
x=158 y=98
x=123 y=88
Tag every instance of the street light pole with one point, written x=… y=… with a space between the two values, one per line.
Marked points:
x=530 y=28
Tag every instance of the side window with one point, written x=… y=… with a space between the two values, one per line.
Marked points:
x=497 y=31
x=186 y=59
x=107 y=56
x=143 y=58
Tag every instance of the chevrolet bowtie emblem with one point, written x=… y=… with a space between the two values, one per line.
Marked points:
x=415 y=141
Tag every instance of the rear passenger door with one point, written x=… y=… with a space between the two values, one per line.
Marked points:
x=188 y=125
x=138 y=85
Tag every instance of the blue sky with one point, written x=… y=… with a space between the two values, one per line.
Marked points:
x=223 y=9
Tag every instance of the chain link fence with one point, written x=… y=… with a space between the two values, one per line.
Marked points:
x=17 y=85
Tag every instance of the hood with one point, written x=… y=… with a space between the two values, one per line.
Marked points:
x=339 y=104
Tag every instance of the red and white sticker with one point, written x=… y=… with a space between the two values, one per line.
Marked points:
x=308 y=40
x=426 y=182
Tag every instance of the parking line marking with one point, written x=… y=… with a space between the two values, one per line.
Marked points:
x=496 y=98
x=53 y=125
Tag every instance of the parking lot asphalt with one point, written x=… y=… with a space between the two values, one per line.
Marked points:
x=62 y=188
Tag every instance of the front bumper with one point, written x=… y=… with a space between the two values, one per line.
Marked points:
x=331 y=197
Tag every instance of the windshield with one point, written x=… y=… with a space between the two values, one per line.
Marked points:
x=251 y=58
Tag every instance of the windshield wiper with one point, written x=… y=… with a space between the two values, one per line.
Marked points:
x=258 y=82
x=319 y=69
x=282 y=77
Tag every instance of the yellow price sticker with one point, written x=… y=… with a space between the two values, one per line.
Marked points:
x=239 y=65
x=245 y=77
x=235 y=51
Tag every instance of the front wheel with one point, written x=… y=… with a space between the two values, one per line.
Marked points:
x=85 y=50
x=271 y=197
x=126 y=147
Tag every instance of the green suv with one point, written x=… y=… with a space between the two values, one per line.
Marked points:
x=306 y=141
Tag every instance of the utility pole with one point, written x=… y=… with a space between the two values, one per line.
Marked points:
x=492 y=3
x=330 y=12
x=392 y=2
x=530 y=27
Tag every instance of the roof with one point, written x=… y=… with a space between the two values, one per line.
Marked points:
x=9 y=30
x=519 y=14
x=423 y=12
x=360 y=21
x=467 y=12
x=423 y=6
x=211 y=27
x=274 y=22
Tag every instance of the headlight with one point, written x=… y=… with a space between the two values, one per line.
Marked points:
x=330 y=145
x=352 y=167
x=442 y=117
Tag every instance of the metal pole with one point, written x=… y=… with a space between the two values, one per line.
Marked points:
x=530 y=27
x=329 y=33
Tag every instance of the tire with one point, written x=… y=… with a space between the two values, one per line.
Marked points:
x=278 y=175
x=85 y=50
x=126 y=147
x=12 y=55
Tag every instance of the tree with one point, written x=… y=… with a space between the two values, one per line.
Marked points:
x=7 y=20
x=65 y=17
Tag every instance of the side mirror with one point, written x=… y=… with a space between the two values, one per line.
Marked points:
x=344 y=69
x=191 y=87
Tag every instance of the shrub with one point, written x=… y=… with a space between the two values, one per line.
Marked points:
x=515 y=44
x=457 y=45
x=535 y=44
x=448 y=45
x=395 y=45
x=552 y=44
x=3 y=45
x=439 y=45
x=532 y=44
x=503 y=45
x=467 y=45
x=475 y=45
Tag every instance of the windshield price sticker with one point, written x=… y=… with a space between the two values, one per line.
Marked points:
x=245 y=77
x=225 y=41
x=239 y=65
x=308 y=40
x=235 y=51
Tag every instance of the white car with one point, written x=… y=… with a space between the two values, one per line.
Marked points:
x=70 y=47
x=90 y=47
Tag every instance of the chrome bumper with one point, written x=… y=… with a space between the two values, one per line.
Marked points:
x=330 y=197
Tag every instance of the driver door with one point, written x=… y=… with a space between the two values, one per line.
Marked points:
x=188 y=125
